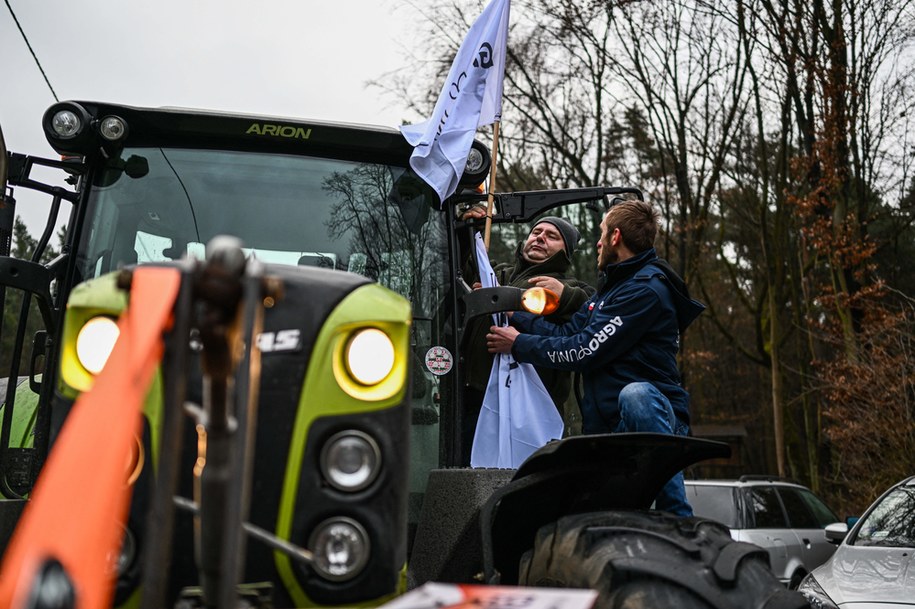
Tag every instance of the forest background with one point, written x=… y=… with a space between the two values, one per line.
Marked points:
x=776 y=138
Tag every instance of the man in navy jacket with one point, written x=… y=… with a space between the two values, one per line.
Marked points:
x=624 y=339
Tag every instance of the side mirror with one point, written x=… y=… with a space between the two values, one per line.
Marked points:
x=836 y=532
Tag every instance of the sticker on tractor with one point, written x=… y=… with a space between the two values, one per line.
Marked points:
x=439 y=360
x=284 y=340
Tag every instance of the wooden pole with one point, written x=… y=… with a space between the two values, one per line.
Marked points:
x=492 y=183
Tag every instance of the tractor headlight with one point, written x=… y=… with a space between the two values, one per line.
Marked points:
x=370 y=359
x=341 y=548
x=120 y=563
x=539 y=301
x=369 y=356
x=350 y=460
x=95 y=342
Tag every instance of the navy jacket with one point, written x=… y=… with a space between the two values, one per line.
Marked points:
x=628 y=331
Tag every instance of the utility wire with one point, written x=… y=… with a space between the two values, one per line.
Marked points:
x=31 y=50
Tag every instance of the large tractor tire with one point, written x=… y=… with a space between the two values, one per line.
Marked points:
x=652 y=560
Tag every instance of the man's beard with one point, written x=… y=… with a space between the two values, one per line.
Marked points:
x=608 y=256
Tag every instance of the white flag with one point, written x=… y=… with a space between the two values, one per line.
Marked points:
x=471 y=97
x=518 y=415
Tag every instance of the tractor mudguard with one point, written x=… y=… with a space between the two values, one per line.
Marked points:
x=576 y=475
x=475 y=524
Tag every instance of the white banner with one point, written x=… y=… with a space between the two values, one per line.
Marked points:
x=470 y=98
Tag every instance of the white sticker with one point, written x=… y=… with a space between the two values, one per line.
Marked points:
x=439 y=360
x=284 y=340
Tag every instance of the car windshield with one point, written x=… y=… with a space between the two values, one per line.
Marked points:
x=157 y=204
x=891 y=523
x=713 y=502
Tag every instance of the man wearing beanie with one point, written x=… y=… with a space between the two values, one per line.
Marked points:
x=624 y=340
x=542 y=259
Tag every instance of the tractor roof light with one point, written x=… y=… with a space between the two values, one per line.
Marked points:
x=66 y=124
x=113 y=128
x=477 y=166
x=474 y=160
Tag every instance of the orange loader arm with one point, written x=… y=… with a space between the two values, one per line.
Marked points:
x=81 y=497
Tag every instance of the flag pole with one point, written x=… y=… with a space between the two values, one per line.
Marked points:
x=492 y=183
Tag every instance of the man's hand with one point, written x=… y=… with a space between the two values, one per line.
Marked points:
x=500 y=340
x=475 y=211
x=550 y=283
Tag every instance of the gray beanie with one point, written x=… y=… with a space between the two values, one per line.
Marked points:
x=570 y=234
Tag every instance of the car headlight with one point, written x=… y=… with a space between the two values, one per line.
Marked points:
x=340 y=547
x=815 y=594
x=350 y=460
x=369 y=356
x=95 y=342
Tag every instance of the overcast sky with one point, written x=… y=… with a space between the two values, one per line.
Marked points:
x=299 y=58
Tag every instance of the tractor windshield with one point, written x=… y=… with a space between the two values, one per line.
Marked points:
x=380 y=221
x=157 y=204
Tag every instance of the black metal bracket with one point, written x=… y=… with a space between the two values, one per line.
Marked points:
x=526 y=205
x=20 y=169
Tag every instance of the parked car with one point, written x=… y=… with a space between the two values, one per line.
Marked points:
x=872 y=566
x=786 y=519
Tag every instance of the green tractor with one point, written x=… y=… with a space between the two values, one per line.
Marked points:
x=353 y=488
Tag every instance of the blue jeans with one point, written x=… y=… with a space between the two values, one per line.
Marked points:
x=644 y=408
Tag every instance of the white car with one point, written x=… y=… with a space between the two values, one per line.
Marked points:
x=873 y=566
x=785 y=519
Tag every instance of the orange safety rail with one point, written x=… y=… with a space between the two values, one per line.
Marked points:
x=80 y=500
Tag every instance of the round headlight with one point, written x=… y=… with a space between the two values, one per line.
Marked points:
x=112 y=128
x=350 y=460
x=340 y=547
x=370 y=356
x=95 y=342
x=539 y=301
x=120 y=563
x=474 y=161
x=66 y=124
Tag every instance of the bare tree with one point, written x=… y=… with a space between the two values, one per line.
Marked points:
x=776 y=137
